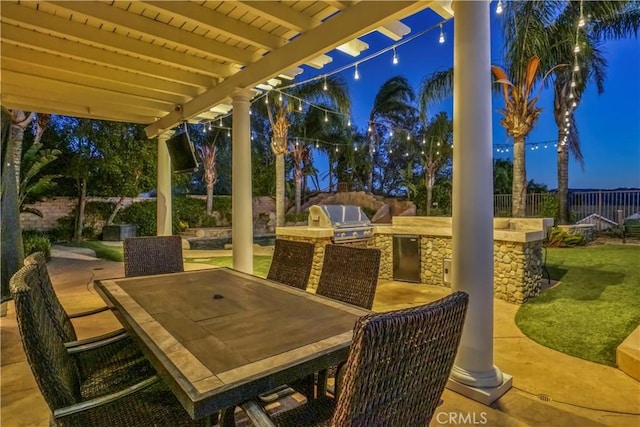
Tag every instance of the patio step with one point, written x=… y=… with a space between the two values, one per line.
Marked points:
x=628 y=355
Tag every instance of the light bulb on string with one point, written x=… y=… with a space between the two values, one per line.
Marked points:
x=395 y=56
x=220 y=125
x=373 y=150
x=356 y=75
x=336 y=149
x=408 y=137
x=566 y=113
x=422 y=152
x=324 y=86
x=423 y=141
x=573 y=83
x=499 y=7
x=441 y=38
x=250 y=112
x=280 y=96
x=437 y=153
x=581 y=22
x=576 y=48
x=266 y=99
x=390 y=133
x=326 y=116
x=576 y=68
x=369 y=129
x=317 y=145
x=228 y=133
x=296 y=142
x=571 y=95
x=204 y=129
x=349 y=122
x=574 y=104
x=300 y=106
x=390 y=151
x=355 y=148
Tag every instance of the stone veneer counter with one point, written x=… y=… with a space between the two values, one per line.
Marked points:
x=517 y=251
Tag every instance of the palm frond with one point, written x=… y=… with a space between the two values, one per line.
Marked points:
x=434 y=89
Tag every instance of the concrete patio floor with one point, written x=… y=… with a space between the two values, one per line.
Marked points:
x=550 y=388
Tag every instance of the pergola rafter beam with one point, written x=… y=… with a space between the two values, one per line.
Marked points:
x=332 y=33
x=210 y=19
x=20 y=15
x=44 y=64
x=140 y=24
x=282 y=15
x=46 y=43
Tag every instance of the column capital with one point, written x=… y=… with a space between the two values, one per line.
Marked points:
x=241 y=94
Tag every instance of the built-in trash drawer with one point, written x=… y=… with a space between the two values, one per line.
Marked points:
x=406 y=258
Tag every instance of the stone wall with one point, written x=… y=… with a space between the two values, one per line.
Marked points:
x=318 y=257
x=517 y=266
x=517 y=270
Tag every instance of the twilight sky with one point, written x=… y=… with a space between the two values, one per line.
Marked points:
x=609 y=124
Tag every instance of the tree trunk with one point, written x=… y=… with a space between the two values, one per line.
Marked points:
x=563 y=180
x=330 y=175
x=519 y=186
x=209 y=198
x=298 y=196
x=82 y=201
x=370 y=177
x=280 y=196
x=19 y=122
x=12 y=250
x=115 y=211
x=429 y=180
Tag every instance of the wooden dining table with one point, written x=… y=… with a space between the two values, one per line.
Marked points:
x=220 y=337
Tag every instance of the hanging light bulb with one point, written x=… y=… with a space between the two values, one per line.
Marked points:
x=250 y=112
x=280 y=96
x=369 y=129
x=576 y=48
x=296 y=142
x=566 y=119
x=573 y=83
x=581 y=22
x=441 y=38
x=390 y=133
x=395 y=56
x=438 y=144
x=252 y=136
x=408 y=137
x=576 y=68
x=326 y=117
x=566 y=113
x=336 y=149
x=437 y=153
x=204 y=129
x=220 y=125
x=423 y=141
x=356 y=75
x=228 y=132
x=373 y=150
x=266 y=99
x=422 y=152
x=324 y=85
x=317 y=145
x=355 y=148
x=574 y=104
x=349 y=122
x=499 y=7
x=390 y=151
x=300 y=106
x=571 y=95
x=210 y=126
x=568 y=125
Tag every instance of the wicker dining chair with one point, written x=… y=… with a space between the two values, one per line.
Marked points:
x=291 y=263
x=113 y=396
x=144 y=256
x=113 y=350
x=397 y=369
x=350 y=274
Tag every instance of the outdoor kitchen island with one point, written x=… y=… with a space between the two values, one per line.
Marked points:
x=518 y=253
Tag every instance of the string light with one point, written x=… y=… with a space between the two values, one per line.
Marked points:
x=395 y=56
x=280 y=96
x=499 y=7
x=356 y=75
x=300 y=106
x=408 y=137
x=349 y=122
x=441 y=38
x=266 y=99
x=326 y=116
x=228 y=133
x=369 y=129
x=576 y=48
x=573 y=83
x=324 y=86
x=250 y=112
x=576 y=68
x=220 y=125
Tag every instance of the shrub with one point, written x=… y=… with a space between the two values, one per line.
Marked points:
x=143 y=215
x=35 y=241
x=560 y=238
x=297 y=217
x=550 y=207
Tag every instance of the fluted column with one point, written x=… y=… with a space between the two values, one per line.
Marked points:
x=163 y=187
x=241 y=198
x=473 y=374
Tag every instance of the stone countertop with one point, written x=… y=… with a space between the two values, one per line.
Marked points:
x=304 y=231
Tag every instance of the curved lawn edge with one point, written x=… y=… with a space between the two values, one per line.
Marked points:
x=594 y=308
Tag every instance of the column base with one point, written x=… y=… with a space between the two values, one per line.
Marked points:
x=484 y=395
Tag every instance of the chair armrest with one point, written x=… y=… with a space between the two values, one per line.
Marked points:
x=257 y=414
x=102 y=400
x=89 y=312
x=95 y=342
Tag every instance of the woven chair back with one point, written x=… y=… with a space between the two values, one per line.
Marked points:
x=291 y=263
x=399 y=364
x=63 y=322
x=53 y=369
x=144 y=256
x=350 y=274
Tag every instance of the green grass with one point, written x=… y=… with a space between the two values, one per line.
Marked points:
x=261 y=263
x=112 y=253
x=594 y=308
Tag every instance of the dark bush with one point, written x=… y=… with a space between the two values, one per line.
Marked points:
x=36 y=241
x=143 y=215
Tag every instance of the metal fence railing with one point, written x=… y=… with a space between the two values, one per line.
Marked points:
x=613 y=205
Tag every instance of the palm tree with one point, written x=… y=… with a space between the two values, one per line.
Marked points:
x=392 y=108
x=19 y=122
x=300 y=157
x=208 y=153
x=548 y=29
x=436 y=151
x=281 y=110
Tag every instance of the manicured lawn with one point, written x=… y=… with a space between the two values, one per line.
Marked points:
x=261 y=263
x=112 y=253
x=594 y=308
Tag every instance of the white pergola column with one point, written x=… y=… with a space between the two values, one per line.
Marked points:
x=163 y=187
x=241 y=198
x=474 y=374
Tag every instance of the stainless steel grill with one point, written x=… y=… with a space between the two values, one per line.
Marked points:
x=348 y=222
